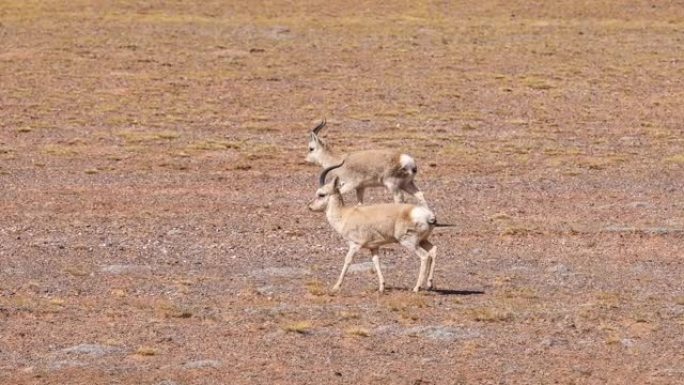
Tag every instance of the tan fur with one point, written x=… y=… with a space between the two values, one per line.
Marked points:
x=367 y=168
x=373 y=226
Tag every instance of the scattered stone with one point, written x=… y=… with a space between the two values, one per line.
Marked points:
x=278 y=33
x=434 y=332
x=551 y=342
x=57 y=365
x=628 y=342
x=123 y=269
x=630 y=140
x=640 y=205
x=267 y=290
x=280 y=272
x=364 y=266
x=559 y=269
x=442 y=333
x=202 y=364
x=93 y=350
x=644 y=230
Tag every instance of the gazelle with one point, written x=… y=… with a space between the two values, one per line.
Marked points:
x=369 y=168
x=376 y=225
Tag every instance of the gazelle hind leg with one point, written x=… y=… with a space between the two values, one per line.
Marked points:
x=432 y=253
x=394 y=188
x=376 y=265
x=353 y=249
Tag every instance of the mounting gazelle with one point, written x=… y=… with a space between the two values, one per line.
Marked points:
x=368 y=168
x=376 y=225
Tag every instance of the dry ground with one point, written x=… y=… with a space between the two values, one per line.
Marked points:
x=153 y=191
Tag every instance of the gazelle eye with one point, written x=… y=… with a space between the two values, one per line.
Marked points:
x=311 y=149
x=321 y=195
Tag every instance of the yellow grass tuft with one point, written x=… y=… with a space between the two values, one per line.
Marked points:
x=345 y=315
x=316 y=288
x=677 y=159
x=357 y=331
x=58 y=150
x=537 y=83
x=299 y=327
x=146 y=351
x=76 y=271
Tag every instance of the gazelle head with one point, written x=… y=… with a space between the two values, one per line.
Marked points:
x=316 y=145
x=325 y=190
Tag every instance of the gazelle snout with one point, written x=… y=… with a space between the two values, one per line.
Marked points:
x=317 y=205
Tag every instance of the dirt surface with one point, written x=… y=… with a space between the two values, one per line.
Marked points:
x=153 y=191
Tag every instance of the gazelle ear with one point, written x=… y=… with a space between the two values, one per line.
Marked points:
x=336 y=182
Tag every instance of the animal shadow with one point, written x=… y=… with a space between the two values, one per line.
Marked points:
x=439 y=291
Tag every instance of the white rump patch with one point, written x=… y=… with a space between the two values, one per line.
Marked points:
x=407 y=163
x=422 y=214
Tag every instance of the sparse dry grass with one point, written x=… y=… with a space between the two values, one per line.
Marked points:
x=316 y=288
x=213 y=145
x=144 y=136
x=171 y=310
x=491 y=314
x=405 y=301
x=520 y=230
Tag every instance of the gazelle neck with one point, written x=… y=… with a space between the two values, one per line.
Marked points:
x=334 y=211
x=329 y=158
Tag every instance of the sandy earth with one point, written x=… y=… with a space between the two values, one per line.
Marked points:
x=153 y=192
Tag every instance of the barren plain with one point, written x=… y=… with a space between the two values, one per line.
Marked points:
x=153 y=191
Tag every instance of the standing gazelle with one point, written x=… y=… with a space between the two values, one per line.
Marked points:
x=376 y=225
x=369 y=168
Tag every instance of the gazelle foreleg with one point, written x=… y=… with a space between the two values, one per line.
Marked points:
x=410 y=187
x=353 y=249
x=432 y=253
